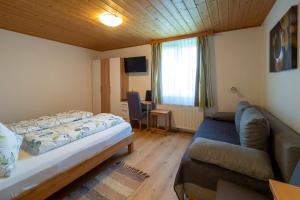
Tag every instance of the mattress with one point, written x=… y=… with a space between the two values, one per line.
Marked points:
x=33 y=170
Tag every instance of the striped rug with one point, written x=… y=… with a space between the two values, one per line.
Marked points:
x=116 y=182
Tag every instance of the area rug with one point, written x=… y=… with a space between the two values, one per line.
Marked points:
x=116 y=182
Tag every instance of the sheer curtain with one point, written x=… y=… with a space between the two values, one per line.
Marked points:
x=178 y=72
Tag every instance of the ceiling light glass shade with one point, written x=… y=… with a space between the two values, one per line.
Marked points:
x=110 y=19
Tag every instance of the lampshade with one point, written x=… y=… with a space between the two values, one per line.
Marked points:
x=110 y=19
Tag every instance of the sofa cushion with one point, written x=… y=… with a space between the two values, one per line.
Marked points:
x=207 y=175
x=254 y=129
x=230 y=191
x=218 y=130
x=248 y=161
x=240 y=108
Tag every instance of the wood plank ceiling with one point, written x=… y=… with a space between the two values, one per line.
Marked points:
x=76 y=21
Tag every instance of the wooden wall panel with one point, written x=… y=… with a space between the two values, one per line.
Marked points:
x=105 y=86
x=76 y=21
x=124 y=81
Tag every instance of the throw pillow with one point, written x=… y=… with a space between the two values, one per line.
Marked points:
x=254 y=129
x=9 y=150
x=240 y=108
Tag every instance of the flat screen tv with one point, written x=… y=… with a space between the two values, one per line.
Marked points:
x=135 y=64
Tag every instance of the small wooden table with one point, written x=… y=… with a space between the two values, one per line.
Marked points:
x=284 y=191
x=154 y=114
x=148 y=105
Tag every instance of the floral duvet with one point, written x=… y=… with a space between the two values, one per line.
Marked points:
x=50 y=121
x=38 y=142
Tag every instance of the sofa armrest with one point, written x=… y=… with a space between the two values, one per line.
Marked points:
x=223 y=116
x=230 y=191
x=207 y=175
x=247 y=161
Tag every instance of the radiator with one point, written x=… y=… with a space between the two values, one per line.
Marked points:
x=184 y=117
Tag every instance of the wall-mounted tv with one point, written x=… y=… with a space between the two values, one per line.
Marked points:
x=135 y=64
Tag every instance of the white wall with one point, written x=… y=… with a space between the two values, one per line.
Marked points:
x=139 y=82
x=282 y=91
x=237 y=56
x=236 y=61
x=39 y=76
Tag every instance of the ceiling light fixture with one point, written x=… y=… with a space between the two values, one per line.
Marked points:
x=110 y=19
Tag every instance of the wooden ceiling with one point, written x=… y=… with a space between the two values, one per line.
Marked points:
x=76 y=21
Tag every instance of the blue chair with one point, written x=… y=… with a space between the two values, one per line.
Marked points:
x=136 y=112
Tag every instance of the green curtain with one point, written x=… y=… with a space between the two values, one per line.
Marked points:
x=203 y=94
x=156 y=50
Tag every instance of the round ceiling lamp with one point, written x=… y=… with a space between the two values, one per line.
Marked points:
x=110 y=19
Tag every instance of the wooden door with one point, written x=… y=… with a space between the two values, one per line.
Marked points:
x=96 y=67
x=124 y=81
x=105 y=86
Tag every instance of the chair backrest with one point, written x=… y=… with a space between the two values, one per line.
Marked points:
x=134 y=105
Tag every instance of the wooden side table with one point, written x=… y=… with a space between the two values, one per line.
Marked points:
x=284 y=191
x=149 y=106
x=154 y=114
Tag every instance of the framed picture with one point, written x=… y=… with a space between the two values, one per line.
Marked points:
x=283 y=42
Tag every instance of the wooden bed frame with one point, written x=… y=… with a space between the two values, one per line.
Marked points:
x=47 y=188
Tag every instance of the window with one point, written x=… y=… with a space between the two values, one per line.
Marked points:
x=178 y=72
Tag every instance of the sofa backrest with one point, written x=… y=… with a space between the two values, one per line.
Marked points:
x=285 y=147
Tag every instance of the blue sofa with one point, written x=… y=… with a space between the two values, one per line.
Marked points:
x=196 y=179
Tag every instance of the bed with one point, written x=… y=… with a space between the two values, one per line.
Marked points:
x=58 y=167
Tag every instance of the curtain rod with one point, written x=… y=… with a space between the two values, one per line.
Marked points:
x=206 y=33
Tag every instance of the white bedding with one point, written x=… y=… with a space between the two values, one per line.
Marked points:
x=32 y=170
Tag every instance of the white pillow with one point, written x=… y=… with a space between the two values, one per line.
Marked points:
x=9 y=150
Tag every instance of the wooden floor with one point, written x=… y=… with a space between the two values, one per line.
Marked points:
x=156 y=154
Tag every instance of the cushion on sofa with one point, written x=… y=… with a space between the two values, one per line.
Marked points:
x=230 y=191
x=218 y=130
x=248 y=161
x=254 y=129
x=9 y=150
x=240 y=108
